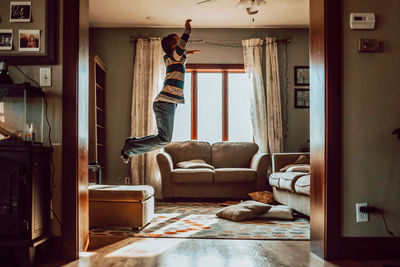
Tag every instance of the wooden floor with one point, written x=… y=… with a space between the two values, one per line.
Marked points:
x=175 y=252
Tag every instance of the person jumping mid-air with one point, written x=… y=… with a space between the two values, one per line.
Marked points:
x=165 y=103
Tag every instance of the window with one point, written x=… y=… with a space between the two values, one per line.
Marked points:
x=217 y=105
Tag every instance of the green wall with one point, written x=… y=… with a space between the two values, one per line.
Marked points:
x=114 y=48
x=371 y=110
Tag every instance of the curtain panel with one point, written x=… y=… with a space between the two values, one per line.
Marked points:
x=274 y=106
x=148 y=74
x=252 y=52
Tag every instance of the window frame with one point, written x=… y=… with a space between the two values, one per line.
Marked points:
x=224 y=69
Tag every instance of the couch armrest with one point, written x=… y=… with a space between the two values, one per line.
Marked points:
x=166 y=166
x=280 y=160
x=261 y=162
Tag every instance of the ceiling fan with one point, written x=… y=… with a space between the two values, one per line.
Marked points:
x=251 y=6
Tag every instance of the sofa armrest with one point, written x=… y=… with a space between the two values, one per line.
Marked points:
x=280 y=160
x=165 y=161
x=166 y=166
x=261 y=163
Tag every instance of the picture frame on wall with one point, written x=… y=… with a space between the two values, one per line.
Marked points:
x=29 y=40
x=42 y=19
x=301 y=98
x=301 y=75
x=6 y=38
x=20 y=11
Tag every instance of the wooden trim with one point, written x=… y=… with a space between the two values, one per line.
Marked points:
x=215 y=67
x=75 y=71
x=194 y=106
x=70 y=227
x=325 y=126
x=369 y=248
x=225 y=120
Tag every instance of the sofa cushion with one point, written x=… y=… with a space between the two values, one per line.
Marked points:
x=233 y=154
x=125 y=193
x=274 y=178
x=246 y=210
x=189 y=150
x=238 y=175
x=194 y=164
x=302 y=185
x=192 y=176
x=288 y=179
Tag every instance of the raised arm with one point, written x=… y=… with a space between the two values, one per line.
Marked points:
x=180 y=46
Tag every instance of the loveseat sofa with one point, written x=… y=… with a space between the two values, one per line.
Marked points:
x=290 y=180
x=220 y=170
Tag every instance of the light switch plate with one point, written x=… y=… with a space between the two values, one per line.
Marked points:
x=45 y=76
x=368 y=45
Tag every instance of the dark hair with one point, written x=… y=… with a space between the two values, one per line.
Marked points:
x=166 y=43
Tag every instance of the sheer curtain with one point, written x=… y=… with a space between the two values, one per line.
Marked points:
x=148 y=75
x=252 y=52
x=274 y=107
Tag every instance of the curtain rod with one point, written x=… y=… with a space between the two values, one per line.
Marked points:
x=134 y=39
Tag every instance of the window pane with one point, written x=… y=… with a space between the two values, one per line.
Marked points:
x=239 y=125
x=182 y=123
x=209 y=111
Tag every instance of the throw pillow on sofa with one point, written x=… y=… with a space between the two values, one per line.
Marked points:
x=299 y=168
x=194 y=164
x=246 y=210
x=279 y=212
x=296 y=168
x=302 y=159
x=262 y=196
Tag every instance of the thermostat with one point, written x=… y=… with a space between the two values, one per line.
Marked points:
x=362 y=21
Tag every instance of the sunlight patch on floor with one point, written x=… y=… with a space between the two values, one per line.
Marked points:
x=194 y=228
x=145 y=248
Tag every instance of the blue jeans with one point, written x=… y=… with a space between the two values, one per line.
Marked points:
x=165 y=114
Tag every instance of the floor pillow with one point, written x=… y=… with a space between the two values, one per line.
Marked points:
x=246 y=210
x=279 y=212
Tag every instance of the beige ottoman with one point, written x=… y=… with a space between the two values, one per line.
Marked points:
x=120 y=205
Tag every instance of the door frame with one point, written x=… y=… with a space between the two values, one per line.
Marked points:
x=75 y=100
x=325 y=135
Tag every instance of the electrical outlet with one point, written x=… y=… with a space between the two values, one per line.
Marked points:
x=127 y=180
x=45 y=76
x=361 y=216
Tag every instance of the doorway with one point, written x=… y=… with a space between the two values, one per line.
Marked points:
x=75 y=201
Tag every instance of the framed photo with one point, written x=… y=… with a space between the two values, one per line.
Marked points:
x=6 y=38
x=301 y=98
x=40 y=17
x=20 y=12
x=301 y=76
x=29 y=40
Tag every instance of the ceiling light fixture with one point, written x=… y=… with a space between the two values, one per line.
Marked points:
x=251 y=6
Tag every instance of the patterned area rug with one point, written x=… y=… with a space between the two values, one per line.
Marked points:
x=198 y=220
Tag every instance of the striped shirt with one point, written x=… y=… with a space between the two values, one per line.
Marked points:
x=172 y=90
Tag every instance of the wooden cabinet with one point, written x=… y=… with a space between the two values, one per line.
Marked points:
x=97 y=113
x=25 y=200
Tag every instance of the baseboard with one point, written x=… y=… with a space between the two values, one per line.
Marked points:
x=369 y=248
x=50 y=250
